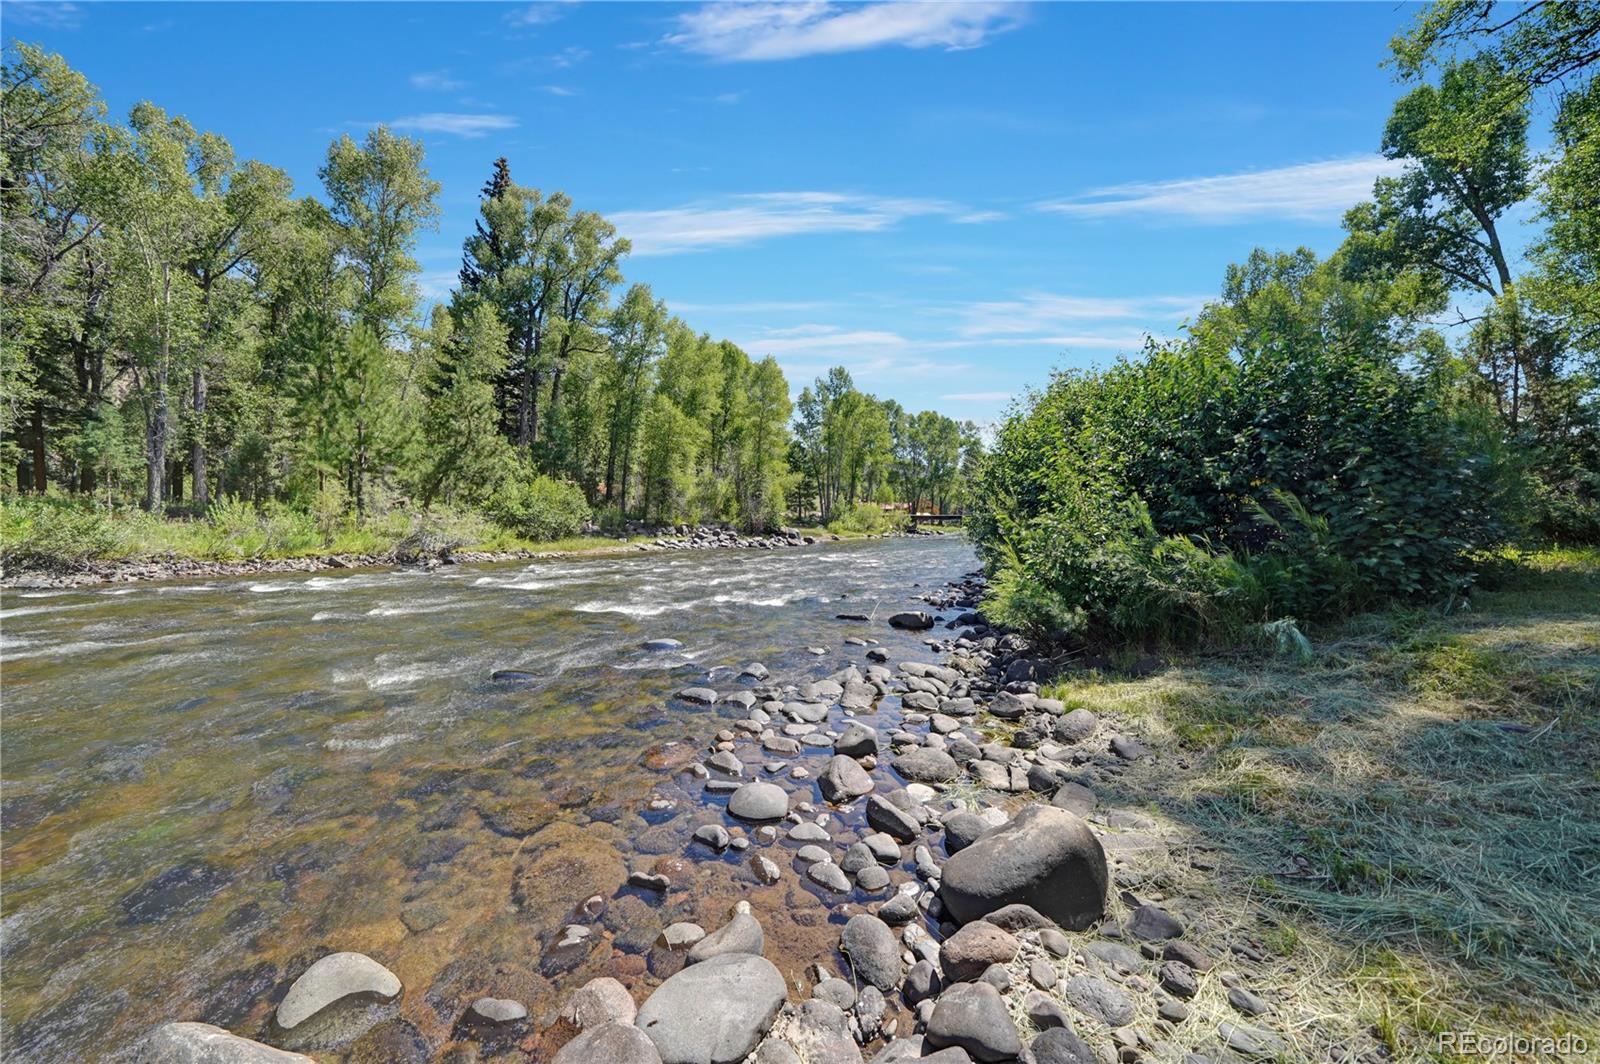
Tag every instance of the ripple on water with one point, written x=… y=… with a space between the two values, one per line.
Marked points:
x=381 y=742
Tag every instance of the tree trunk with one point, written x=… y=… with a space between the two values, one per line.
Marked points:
x=156 y=446
x=197 y=449
x=39 y=477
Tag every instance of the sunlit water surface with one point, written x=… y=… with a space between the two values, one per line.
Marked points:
x=206 y=785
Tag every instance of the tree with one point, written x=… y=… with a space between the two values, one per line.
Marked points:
x=380 y=195
x=464 y=447
x=52 y=268
x=637 y=341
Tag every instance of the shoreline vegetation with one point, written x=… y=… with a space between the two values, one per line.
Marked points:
x=132 y=546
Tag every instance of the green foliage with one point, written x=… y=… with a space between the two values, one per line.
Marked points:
x=538 y=507
x=51 y=532
x=868 y=518
x=1255 y=473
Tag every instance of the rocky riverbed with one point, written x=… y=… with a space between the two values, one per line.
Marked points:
x=921 y=868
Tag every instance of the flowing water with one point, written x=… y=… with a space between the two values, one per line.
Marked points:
x=208 y=785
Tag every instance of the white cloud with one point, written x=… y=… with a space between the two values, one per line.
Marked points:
x=51 y=14
x=436 y=81
x=1308 y=191
x=750 y=32
x=1043 y=312
x=459 y=125
x=747 y=219
x=558 y=90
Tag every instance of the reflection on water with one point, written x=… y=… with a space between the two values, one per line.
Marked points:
x=209 y=785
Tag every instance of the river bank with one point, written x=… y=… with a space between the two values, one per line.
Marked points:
x=89 y=572
x=805 y=841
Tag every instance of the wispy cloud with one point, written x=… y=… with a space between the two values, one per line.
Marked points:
x=436 y=81
x=751 y=218
x=538 y=14
x=1044 y=313
x=1308 y=191
x=51 y=14
x=558 y=90
x=458 y=125
x=757 y=306
x=753 y=32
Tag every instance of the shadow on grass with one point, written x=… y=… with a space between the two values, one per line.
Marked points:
x=1411 y=822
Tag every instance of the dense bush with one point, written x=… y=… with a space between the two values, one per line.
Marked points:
x=868 y=518
x=51 y=532
x=1196 y=492
x=539 y=507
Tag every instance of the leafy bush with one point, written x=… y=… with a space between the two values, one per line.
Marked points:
x=539 y=508
x=868 y=518
x=53 y=532
x=1196 y=494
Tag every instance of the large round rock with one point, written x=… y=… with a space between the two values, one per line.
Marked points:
x=713 y=1012
x=973 y=1017
x=759 y=801
x=1045 y=857
x=873 y=951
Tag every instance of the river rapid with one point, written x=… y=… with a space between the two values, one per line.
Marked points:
x=208 y=785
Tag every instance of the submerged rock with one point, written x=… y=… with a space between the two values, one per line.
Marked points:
x=913 y=620
x=335 y=976
x=201 y=1043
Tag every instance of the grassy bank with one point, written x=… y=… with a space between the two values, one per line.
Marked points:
x=62 y=535
x=1411 y=820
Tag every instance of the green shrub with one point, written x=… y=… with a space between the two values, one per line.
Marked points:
x=53 y=532
x=868 y=518
x=1195 y=494
x=539 y=508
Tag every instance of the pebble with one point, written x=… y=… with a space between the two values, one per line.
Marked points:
x=333 y=977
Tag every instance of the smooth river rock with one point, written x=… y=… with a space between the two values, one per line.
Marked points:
x=614 y=1043
x=873 y=951
x=741 y=934
x=333 y=977
x=600 y=1000
x=1046 y=858
x=912 y=620
x=926 y=765
x=759 y=801
x=713 y=1012
x=844 y=779
x=973 y=1017
x=201 y=1043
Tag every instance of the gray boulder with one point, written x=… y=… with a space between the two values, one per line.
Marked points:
x=741 y=934
x=1059 y=1045
x=914 y=620
x=335 y=976
x=926 y=765
x=614 y=1043
x=844 y=779
x=857 y=740
x=963 y=829
x=759 y=801
x=713 y=1012
x=1045 y=858
x=891 y=819
x=201 y=1043
x=819 y=1032
x=973 y=1017
x=873 y=951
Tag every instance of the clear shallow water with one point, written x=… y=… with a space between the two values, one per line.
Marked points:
x=208 y=784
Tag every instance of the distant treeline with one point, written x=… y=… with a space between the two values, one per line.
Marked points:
x=179 y=328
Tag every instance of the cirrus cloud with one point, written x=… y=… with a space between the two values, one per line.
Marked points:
x=1317 y=191
x=756 y=32
x=750 y=218
x=470 y=126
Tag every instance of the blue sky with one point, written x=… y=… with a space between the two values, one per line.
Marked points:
x=950 y=199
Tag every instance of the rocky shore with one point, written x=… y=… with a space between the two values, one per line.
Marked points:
x=130 y=570
x=947 y=818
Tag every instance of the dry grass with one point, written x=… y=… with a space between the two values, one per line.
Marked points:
x=1411 y=821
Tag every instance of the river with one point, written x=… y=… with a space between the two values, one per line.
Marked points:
x=207 y=785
